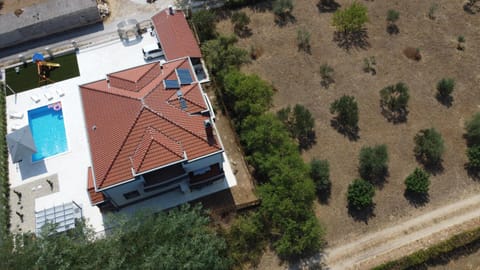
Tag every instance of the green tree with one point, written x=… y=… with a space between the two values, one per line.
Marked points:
x=246 y=239
x=300 y=123
x=392 y=18
x=360 y=194
x=445 y=88
x=473 y=154
x=247 y=94
x=204 y=22
x=346 y=110
x=282 y=9
x=418 y=181
x=472 y=127
x=350 y=19
x=429 y=146
x=240 y=21
x=221 y=55
x=373 y=162
x=320 y=174
x=178 y=239
x=394 y=102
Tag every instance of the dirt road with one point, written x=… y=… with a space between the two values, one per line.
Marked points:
x=404 y=238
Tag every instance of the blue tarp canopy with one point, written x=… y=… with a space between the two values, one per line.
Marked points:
x=37 y=57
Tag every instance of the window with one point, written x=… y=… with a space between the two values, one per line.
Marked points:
x=131 y=194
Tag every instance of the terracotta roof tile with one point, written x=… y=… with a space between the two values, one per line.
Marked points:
x=175 y=35
x=95 y=197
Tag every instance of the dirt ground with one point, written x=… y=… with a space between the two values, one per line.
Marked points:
x=12 y=5
x=295 y=75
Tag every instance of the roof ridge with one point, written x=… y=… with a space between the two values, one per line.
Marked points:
x=180 y=126
x=165 y=146
x=110 y=93
x=121 y=146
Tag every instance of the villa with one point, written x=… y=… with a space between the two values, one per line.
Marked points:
x=150 y=132
x=122 y=134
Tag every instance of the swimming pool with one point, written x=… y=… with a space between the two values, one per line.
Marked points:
x=48 y=130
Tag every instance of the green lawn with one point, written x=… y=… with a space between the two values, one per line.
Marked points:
x=28 y=79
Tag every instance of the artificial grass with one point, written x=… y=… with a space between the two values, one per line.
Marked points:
x=28 y=78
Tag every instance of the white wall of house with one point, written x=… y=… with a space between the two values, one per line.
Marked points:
x=117 y=193
x=204 y=162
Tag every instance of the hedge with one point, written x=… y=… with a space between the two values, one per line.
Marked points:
x=443 y=249
x=4 y=184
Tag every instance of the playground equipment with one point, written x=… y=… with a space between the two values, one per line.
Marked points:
x=44 y=68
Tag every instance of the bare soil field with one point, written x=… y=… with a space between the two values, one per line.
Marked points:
x=295 y=75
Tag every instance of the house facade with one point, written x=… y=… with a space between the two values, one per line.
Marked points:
x=150 y=128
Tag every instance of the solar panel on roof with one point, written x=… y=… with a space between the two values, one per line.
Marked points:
x=184 y=76
x=171 y=84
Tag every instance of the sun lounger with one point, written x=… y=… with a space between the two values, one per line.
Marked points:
x=15 y=114
x=35 y=98
x=48 y=95
x=60 y=92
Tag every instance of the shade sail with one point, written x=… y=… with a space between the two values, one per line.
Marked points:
x=20 y=144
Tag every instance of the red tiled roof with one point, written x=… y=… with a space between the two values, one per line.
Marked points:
x=176 y=37
x=95 y=197
x=144 y=128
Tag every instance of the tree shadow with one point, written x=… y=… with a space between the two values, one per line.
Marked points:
x=244 y=33
x=353 y=39
x=351 y=134
x=416 y=199
x=305 y=48
x=471 y=8
x=378 y=181
x=305 y=143
x=325 y=82
x=361 y=215
x=473 y=173
x=261 y=6
x=433 y=168
x=393 y=29
x=324 y=195
x=447 y=101
x=328 y=6
x=284 y=19
x=395 y=117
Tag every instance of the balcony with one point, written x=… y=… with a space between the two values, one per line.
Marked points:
x=213 y=174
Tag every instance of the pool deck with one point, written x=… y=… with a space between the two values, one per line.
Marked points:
x=70 y=168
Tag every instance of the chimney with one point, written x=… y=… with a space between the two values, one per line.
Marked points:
x=181 y=100
x=171 y=11
x=208 y=129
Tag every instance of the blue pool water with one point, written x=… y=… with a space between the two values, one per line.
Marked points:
x=48 y=130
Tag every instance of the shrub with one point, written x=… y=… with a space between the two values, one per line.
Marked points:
x=326 y=72
x=350 y=19
x=369 y=64
x=320 y=173
x=246 y=239
x=303 y=40
x=392 y=18
x=431 y=11
x=418 y=181
x=373 y=162
x=240 y=21
x=473 y=154
x=445 y=88
x=472 y=127
x=360 y=194
x=282 y=8
x=394 y=101
x=461 y=39
x=346 y=110
x=429 y=146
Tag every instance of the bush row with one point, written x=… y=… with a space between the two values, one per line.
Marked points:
x=4 y=184
x=286 y=216
x=443 y=249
